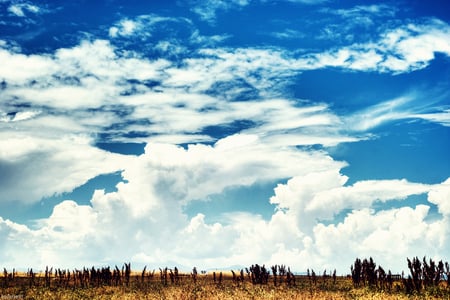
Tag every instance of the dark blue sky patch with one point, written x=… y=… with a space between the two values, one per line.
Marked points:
x=410 y=151
x=118 y=133
x=120 y=130
x=236 y=90
x=136 y=134
x=123 y=148
x=224 y=130
x=348 y=92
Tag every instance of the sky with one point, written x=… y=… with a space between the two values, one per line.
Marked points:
x=220 y=134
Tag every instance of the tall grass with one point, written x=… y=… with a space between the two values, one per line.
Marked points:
x=427 y=280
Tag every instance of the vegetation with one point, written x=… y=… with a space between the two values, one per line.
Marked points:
x=427 y=280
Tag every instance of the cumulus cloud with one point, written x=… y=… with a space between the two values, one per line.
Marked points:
x=156 y=186
x=232 y=161
x=362 y=194
x=156 y=230
x=150 y=226
x=365 y=233
x=439 y=196
x=124 y=28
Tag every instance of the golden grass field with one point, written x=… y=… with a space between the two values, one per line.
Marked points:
x=205 y=288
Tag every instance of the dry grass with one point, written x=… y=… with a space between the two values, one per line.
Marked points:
x=205 y=288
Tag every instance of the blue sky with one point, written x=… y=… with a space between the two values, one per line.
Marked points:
x=217 y=133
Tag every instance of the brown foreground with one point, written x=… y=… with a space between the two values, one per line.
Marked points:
x=204 y=287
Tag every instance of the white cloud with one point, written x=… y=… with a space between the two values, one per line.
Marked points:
x=86 y=76
x=365 y=10
x=158 y=183
x=165 y=36
x=207 y=9
x=141 y=26
x=326 y=204
x=95 y=74
x=439 y=196
x=411 y=105
x=263 y=69
x=399 y=50
x=288 y=34
x=20 y=9
x=21 y=68
x=36 y=167
x=373 y=116
x=233 y=161
x=365 y=233
x=323 y=195
x=150 y=226
x=124 y=28
x=441 y=117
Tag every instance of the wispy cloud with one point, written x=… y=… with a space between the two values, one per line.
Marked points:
x=399 y=50
x=387 y=111
x=142 y=26
x=288 y=34
x=415 y=105
x=166 y=36
x=207 y=9
x=441 y=117
x=21 y=9
x=377 y=10
x=308 y=1
x=356 y=24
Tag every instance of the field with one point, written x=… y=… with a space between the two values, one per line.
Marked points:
x=253 y=283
